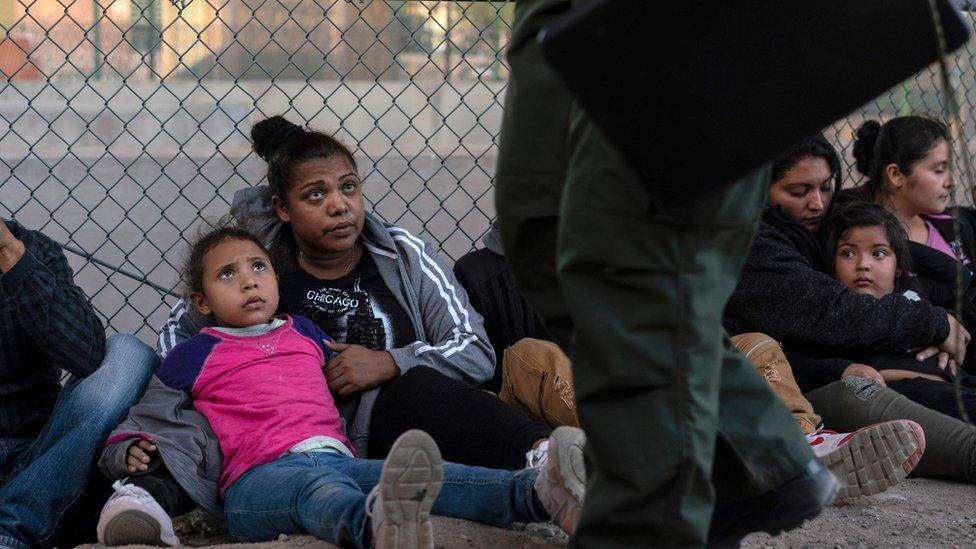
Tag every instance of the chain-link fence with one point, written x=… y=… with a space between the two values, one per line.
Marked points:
x=125 y=121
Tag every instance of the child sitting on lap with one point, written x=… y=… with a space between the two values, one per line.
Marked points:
x=287 y=466
x=868 y=253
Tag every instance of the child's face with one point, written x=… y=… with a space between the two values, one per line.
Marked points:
x=239 y=286
x=865 y=263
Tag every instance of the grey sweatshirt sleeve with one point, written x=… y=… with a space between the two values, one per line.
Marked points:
x=457 y=344
x=780 y=294
x=183 y=438
x=158 y=406
x=113 y=460
x=183 y=323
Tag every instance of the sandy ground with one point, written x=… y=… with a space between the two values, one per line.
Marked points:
x=916 y=513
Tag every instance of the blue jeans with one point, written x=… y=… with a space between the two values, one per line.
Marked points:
x=41 y=478
x=324 y=494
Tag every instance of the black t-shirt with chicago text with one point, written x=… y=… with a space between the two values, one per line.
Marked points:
x=357 y=308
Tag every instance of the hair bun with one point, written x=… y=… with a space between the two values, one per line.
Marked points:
x=269 y=134
x=865 y=139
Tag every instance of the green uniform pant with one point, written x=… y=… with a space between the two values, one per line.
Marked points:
x=632 y=277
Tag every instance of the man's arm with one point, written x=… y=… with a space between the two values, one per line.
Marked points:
x=38 y=283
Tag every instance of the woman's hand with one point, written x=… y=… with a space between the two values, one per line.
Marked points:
x=865 y=371
x=354 y=368
x=956 y=343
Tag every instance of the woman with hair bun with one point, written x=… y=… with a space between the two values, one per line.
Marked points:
x=907 y=164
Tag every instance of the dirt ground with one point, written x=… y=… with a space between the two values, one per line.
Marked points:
x=916 y=513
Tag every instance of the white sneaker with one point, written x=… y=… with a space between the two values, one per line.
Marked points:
x=399 y=505
x=132 y=517
x=871 y=459
x=561 y=484
x=537 y=456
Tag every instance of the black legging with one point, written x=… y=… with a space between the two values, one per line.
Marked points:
x=471 y=426
x=937 y=395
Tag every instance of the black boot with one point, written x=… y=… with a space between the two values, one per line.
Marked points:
x=778 y=510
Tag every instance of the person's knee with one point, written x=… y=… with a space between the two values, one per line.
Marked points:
x=848 y=404
x=862 y=388
x=836 y=393
x=128 y=357
x=747 y=342
x=538 y=379
x=130 y=353
x=119 y=382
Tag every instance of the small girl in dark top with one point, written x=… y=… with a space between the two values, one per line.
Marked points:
x=868 y=253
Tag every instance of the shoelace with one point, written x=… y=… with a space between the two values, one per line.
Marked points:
x=130 y=490
x=371 y=502
x=538 y=456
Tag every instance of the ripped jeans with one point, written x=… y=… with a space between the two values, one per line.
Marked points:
x=950 y=444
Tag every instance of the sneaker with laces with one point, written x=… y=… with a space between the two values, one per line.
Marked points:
x=871 y=459
x=561 y=484
x=399 y=505
x=537 y=456
x=132 y=517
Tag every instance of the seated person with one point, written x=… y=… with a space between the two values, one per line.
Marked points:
x=286 y=464
x=869 y=251
x=493 y=292
x=49 y=434
x=906 y=163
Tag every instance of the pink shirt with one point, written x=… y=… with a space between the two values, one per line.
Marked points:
x=937 y=242
x=261 y=394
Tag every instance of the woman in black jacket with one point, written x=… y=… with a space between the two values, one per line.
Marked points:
x=785 y=291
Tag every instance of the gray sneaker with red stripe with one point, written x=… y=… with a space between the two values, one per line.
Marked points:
x=871 y=459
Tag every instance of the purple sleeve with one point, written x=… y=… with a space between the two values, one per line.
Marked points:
x=312 y=331
x=182 y=365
